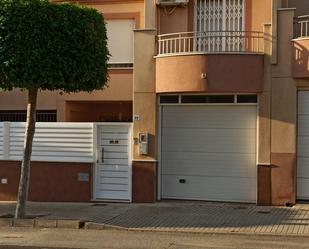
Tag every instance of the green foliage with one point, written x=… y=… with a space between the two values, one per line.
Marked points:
x=52 y=46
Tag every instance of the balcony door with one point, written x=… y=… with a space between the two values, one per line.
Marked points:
x=219 y=25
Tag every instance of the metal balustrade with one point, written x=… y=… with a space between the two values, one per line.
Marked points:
x=211 y=42
x=304 y=26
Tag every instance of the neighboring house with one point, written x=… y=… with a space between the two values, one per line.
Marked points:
x=217 y=87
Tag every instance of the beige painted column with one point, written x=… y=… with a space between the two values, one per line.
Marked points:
x=276 y=4
x=150 y=14
x=61 y=111
x=144 y=116
x=264 y=124
x=284 y=115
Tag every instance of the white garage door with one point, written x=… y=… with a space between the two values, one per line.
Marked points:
x=209 y=153
x=303 y=146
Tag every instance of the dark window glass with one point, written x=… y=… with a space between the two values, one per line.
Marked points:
x=246 y=98
x=195 y=99
x=20 y=116
x=120 y=65
x=165 y=99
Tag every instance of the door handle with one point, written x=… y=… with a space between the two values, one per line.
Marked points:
x=102 y=155
x=182 y=180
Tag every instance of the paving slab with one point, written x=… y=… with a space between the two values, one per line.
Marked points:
x=190 y=216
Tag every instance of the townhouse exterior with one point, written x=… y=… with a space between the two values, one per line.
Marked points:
x=216 y=93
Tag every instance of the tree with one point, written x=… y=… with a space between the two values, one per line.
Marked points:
x=46 y=46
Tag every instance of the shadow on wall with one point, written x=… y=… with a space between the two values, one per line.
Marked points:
x=300 y=63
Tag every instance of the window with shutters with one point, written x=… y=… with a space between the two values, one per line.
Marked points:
x=220 y=24
x=120 y=42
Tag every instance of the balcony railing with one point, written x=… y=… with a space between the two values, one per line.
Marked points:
x=304 y=26
x=211 y=42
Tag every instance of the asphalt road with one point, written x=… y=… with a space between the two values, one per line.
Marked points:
x=13 y=238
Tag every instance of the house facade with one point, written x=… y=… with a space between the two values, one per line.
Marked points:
x=212 y=97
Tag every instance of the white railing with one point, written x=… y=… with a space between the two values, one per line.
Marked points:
x=211 y=42
x=304 y=26
x=53 y=142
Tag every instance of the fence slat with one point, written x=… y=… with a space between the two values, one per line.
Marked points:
x=53 y=142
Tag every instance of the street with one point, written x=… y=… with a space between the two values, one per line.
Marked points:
x=26 y=238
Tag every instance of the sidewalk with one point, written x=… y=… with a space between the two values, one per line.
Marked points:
x=175 y=216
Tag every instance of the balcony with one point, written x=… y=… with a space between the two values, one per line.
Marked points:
x=217 y=61
x=238 y=42
x=300 y=48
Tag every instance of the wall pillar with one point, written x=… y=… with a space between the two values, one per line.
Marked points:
x=144 y=116
x=283 y=116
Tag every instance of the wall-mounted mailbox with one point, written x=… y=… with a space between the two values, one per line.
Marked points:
x=83 y=177
x=143 y=143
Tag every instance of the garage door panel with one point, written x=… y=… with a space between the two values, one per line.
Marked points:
x=209 y=188
x=303 y=102
x=213 y=148
x=302 y=188
x=209 y=164
x=303 y=125
x=303 y=146
x=303 y=167
x=198 y=117
x=209 y=140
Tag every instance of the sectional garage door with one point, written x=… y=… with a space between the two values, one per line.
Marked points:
x=209 y=153
x=303 y=146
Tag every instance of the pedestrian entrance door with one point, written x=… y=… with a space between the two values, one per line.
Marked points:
x=113 y=162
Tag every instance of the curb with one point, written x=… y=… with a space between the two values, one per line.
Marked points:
x=100 y=226
x=42 y=223
x=77 y=224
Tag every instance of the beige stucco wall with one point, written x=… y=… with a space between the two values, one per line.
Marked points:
x=137 y=7
x=261 y=11
x=172 y=74
x=283 y=111
x=120 y=88
x=17 y=100
x=302 y=6
x=144 y=96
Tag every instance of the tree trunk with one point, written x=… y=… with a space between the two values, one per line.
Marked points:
x=25 y=166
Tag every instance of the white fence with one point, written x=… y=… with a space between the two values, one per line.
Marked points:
x=53 y=142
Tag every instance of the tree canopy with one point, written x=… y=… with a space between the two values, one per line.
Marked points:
x=52 y=46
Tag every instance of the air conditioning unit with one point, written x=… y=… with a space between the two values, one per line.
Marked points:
x=172 y=2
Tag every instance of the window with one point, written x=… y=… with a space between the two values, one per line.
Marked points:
x=120 y=42
x=223 y=24
x=169 y=99
x=247 y=99
x=219 y=15
x=191 y=99
x=20 y=116
x=209 y=99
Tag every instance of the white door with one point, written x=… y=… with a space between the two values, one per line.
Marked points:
x=303 y=146
x=113 y=167
x=209 y=153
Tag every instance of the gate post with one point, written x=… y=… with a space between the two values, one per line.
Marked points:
x=6 y=140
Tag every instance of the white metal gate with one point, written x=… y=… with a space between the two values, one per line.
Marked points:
x=223 y=22
x=113 y=167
